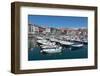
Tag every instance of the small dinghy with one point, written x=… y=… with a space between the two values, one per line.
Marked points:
x=76 y=46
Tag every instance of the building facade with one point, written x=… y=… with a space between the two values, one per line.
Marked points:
x=32 y=29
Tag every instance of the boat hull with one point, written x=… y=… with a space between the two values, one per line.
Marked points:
x=75 y=47
x=51 y=51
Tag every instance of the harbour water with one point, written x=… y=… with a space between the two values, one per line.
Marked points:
x=79 y=53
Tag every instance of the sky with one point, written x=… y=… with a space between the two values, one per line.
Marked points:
x=58 y=21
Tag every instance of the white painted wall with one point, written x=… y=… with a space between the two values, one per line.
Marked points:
x=5 y=33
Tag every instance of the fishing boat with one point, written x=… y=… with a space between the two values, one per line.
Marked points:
x=39 y=38
x=43 y=42
x=85 y=41
x=76 y=46
x=50 y=47
x=51 y=50
x=66 y=44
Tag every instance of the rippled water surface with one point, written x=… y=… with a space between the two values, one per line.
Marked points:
x=35 y=54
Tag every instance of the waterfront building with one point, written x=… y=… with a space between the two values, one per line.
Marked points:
x=41 y=29
x=32 y=29
x=48 y=30
x=77 y=34
x=55 y=31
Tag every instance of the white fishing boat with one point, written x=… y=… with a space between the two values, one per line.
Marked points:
x=54 y=40
x=85 y=41
x=62 y=42
x=48 y=46
x=77 y=45
x=51 y=50
x=66 y=43
x=40 y=38
x=43 y=42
